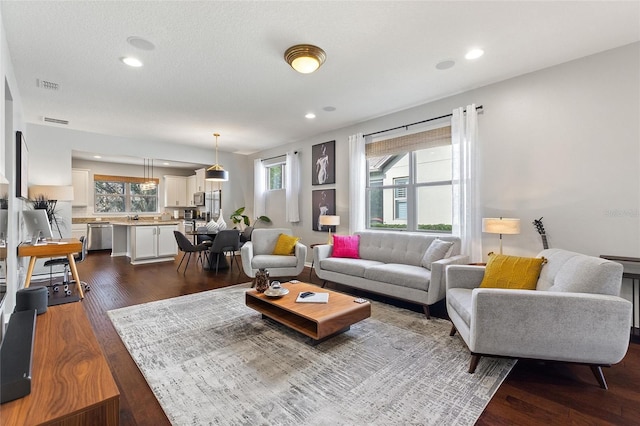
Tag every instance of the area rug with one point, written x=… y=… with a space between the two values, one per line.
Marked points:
x=211 y=360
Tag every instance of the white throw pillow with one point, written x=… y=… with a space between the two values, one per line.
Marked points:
x=437 y=251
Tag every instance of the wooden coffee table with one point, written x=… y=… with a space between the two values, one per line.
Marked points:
x=319 y=321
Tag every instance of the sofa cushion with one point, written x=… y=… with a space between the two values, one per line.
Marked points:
x=437 y=250
x=398 y=274
x=273 y=261
x=504 y=271
x=460 y=301
x=354 y=267
x=285 y=245
x=346 y=246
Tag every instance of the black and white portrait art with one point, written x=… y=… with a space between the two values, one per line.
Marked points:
x=324 y=203
x=323 y=163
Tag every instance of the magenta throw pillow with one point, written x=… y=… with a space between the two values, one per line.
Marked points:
x=346 y=246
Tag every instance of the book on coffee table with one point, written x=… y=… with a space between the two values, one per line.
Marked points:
x=314 y=298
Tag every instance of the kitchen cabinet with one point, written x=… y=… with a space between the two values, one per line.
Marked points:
x=151 y=243
x=80 y=182
x=175 y=191
x=191 y=189
x=200 y=182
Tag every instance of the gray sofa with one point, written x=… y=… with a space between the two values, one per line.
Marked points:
x=574 y=315
x=390 y=265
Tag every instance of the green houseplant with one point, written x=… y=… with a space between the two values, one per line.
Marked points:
x=239 y=218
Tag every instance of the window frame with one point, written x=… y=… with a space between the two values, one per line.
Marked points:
x=283 y=170
x=127 y=195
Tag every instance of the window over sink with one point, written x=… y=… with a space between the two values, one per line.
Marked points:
x=124 y=194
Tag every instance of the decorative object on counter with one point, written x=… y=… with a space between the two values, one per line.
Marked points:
x=241 y=220
x=493 y=225
x=216 y=173
x=262 y=280
x=540 y=228
x=222 y=225
x=330 y=221
x=47 y=197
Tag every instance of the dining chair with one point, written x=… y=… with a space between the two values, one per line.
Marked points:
x=227 y=241
x=187 y=246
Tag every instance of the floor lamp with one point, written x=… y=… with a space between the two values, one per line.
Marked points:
x=51 y=194
x=494 y=225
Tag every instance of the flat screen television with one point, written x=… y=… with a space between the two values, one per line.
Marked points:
x=37 y=223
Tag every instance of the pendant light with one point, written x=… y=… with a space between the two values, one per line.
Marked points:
x=216 y=173
x=148 y=183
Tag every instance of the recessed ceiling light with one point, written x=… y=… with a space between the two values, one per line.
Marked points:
x=97 y=156
x=474 y=54
x=310 y=115
x=140 y=43
x=131 y=61
x=329 y=108
x=445 y=65
x=165 y=164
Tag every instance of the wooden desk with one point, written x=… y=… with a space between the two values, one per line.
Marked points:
x=71 y=381
x=55 y=248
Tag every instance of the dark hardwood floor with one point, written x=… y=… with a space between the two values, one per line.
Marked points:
x=533 y=393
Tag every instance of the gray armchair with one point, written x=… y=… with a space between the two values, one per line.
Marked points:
x=256 y=254
x=574 y=315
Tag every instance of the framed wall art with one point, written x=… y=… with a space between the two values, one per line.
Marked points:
x=323 y=167
x=22 y=167
x=324 y=203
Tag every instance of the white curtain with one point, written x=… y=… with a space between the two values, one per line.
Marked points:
x=292 y=187
x=259 y=189
x=357 y=183
x=466 y=215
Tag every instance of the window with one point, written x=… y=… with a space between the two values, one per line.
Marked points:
x=275 y=176
x=409 y=182
x=122 y=194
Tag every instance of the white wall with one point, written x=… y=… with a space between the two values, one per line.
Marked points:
x=562 y=143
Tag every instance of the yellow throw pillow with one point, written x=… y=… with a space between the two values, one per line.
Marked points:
x=285 y=244
x=504 y=271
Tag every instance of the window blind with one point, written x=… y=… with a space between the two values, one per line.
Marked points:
x=413 y=142
x=126 y=179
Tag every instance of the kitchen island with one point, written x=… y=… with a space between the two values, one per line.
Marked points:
x=144 y=241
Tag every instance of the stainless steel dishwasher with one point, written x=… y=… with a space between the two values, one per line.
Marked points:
x=99 y=236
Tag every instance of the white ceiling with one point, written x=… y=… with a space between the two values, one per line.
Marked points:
x=218 y=66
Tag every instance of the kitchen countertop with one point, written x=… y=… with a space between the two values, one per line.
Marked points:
x=144 y=222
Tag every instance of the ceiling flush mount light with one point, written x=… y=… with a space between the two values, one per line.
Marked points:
x=216 y=173
x=305 y=58
x=474 y=54
x=131 y=61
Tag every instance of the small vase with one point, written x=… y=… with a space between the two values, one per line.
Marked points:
x=262 y=280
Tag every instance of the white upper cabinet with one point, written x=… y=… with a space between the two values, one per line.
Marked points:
x=80 y=182
x=175 y=191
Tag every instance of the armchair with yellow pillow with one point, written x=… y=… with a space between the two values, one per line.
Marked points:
x=560 y=306
x=275 y=249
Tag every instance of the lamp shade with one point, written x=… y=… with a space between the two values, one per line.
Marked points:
x=218 y=174
x=329 y=220
x=51 y=192
x=500 y=225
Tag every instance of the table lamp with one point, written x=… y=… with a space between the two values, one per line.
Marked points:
x=329 y=220
x=493 y=225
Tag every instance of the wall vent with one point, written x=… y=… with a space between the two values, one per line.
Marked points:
x=55 y=120
x=48 y=85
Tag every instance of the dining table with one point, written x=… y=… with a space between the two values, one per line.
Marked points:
x=212 y=258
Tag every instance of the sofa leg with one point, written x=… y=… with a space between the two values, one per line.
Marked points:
x=453 y=330
x=597 y=371
x=324 y=283
x=475 y=358
x=425 y=308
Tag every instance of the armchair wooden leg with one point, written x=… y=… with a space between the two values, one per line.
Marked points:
x=324 y=283
x=597 y=371
x=425 y=308
x=475 y=358
x=453 y=330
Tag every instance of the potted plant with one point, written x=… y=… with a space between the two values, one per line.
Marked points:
x=241 y=220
